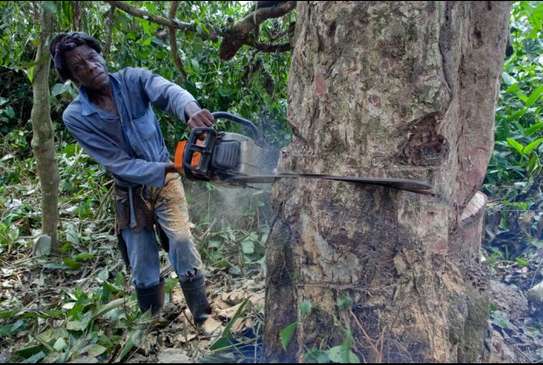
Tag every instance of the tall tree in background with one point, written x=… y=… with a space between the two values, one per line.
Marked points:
x=43 y=143
x=385 y=89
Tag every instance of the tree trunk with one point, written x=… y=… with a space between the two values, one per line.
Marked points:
x=386 y=89
x=43 y=134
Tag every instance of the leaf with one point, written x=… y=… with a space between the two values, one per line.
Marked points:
x=537 y=243
x=71 y=263
x=11 y=329
x=34 y=358
x=30 y=73
x=109 y=306
x=133 y=340
x=532 y=146
x=59 y=89
x=77 y=325
x=83 y=256
x=225 y=339
x=49 y=6
x=519 y=147
x=499 y=318
x=95 y=350
x=344 y=302
x=29 y=350
x=60 y=344
x=305 y=308
x=285 y=335
x=534 y=96
x=342 y=354
x=508 y=79
x=521 y=262
x=533 y=129
x=72 y=235
x=248 y=247
x=214 y=244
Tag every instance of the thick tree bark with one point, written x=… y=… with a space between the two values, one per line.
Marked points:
x=386 y=89
x=43 y=134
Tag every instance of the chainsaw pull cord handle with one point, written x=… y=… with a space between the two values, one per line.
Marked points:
x=256 y=135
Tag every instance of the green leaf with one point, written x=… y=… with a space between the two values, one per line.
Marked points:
x=508 y=79
x=305 y=308
x=132 y=341
x=521 y=262
x=534 y=96
x=195 y=64
x=536 y=243
x=28 y=351
x=285 y=335
x=71 y=263
x=109 y=306
x=214 y=244
x=342 y=354
x=532 y=146
x=519 y=147
x=533 y=129
x=11 y=329
x=72 y=235
x=77 y=325
x=344 y=302
x=60 y=344
x=500 y=319
x=95 y=350
x=248 y=247
x=50 y=6
x=59 y=89
x=225 y=339
x=7 y=314
x=83 y=256
x=34 y=358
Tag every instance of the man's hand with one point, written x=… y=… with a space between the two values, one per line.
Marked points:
x=198 y=117
x=170 y=168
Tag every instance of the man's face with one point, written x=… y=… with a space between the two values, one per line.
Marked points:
x=87 y=67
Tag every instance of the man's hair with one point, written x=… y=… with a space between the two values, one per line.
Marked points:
x=65 y=42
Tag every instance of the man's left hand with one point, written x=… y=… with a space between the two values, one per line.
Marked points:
x=199 y=117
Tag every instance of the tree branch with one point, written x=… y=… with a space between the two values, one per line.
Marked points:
x=239 y=33
x=173 y=44
x=140 y=13
x=269 y=48
x=233 y=38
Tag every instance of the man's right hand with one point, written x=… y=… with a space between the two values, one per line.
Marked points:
x=198 y=117
x=170 y=168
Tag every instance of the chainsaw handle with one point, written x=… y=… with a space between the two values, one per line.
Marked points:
x=242 y=121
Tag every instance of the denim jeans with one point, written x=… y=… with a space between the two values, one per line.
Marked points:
x=170 y=210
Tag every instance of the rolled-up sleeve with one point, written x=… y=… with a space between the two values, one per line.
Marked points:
x=115 y=160
x=164 y=94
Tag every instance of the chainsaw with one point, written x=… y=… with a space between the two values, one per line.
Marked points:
x=238 y=160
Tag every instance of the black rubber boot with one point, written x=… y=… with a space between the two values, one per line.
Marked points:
x=194 y=291
x=151 y=298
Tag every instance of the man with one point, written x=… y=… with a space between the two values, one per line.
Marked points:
x=114 y=122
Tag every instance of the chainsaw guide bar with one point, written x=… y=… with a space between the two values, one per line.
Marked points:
x=401 y=184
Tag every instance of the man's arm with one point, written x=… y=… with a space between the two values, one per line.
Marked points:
x=173 y=99
x=115 y=160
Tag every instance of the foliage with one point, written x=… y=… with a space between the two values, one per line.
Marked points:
x=515 y=169
x=519 y=115
x=252 y=84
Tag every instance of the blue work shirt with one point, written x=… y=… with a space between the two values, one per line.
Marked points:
x=129 y=145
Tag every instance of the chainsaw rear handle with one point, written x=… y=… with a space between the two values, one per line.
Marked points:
x=256 y=135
